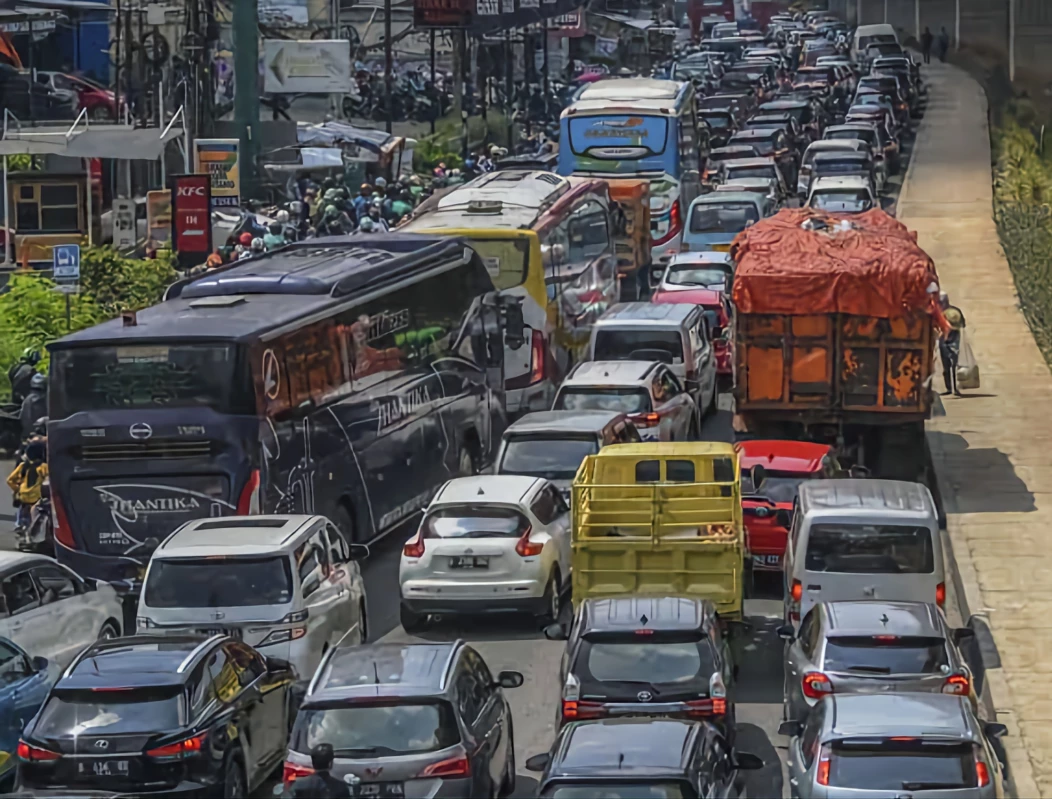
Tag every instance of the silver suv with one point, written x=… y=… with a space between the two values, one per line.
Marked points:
x=893 y=745
x=872 y=647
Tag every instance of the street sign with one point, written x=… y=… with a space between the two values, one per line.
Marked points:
x=306 y=67
x=66 y=262
x=191 y=219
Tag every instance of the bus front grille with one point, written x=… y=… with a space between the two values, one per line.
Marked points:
x=145 y=450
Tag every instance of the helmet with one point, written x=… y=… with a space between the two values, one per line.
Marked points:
x=38 y=383
x=245 y=240
x=377 y=203
x=40 y=426
x=330 y=195
x=31 y=356
x=330 y=210
x=381 y=183
x=282 y=217
x=366 y=225
x=257 y=245
x=365 y=188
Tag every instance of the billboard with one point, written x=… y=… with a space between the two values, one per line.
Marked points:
x=306 y=67
x=191 y=218
x=218 y=158
x=443 y=13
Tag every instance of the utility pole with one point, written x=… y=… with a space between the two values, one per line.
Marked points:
x=1011 y=40
x=388 y=66
x=957 y=25
x=246 y=89
x=885 y=12
x=858 y=12
x=916 y=19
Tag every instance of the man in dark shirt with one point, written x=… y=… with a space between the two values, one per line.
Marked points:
x=321 y=783
x=22 y=373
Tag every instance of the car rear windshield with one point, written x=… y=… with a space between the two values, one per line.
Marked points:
x=623 y=400
x=121 y=711
x=474 y=521
x=724 y=217
x=377 y=730
x=886 y=654
x=654 y=659
x=870 y=549
x=217 y=582
x=902 y=765
x=868 y=136
x=764 y=146
x=777 y=487
x=754 y=171
x=841 y=166
x=619 y=790
x=716 y=119
x=542 y=456
x=841 y=201
x=638 y=345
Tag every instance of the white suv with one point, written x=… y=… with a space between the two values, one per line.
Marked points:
x=287 y=585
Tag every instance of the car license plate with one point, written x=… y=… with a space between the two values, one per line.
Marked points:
x=469 y=563
x=103 y=768
x=379 y=790
x=767 y=561
x=721 y=247
x=210 y=631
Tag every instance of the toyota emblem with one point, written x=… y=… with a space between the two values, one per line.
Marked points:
x=140 y=431
x=644 y=696
x=761 y=512
x=101 y=744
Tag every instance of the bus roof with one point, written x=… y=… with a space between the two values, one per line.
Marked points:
x=503 y=199
x=632 y=89
x=266 y=293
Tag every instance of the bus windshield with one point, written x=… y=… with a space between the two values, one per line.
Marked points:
x=168 y=375
x=622 y=143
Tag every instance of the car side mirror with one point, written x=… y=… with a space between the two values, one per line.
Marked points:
x=277 y=664
x=556 y=632
x=40 y=663
x=963 y=634
x=357 y=552
x=510 y=679
x=791 y=728
x=786 y=632
x=994 y=730
x=538 y=762
x=747 y=761
x=783 y=518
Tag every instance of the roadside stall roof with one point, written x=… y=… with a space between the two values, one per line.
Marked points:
x=88 y=141
x=334 y=133
x=805 y=262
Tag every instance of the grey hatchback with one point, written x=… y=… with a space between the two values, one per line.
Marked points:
x=887 y=746
x=872 y=646
x=409 y=720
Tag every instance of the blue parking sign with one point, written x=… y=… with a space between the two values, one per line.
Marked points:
x=66 y=262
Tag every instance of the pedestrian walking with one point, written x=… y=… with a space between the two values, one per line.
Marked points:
x=944 y=44
x=950 y=344
x=926 y=41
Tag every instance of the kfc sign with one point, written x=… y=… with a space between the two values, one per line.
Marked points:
x=192 y=218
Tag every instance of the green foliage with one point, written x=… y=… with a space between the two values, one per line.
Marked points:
x=120 y=284
x=431 y=151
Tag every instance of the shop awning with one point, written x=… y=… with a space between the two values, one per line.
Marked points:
x=97 y=141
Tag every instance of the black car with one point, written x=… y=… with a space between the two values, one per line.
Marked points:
x=630 y=758
x=655 y=656
x=772 y=143
x=178 y=715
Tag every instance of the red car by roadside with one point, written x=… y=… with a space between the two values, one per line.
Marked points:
x=717 y=310
x=785 y=464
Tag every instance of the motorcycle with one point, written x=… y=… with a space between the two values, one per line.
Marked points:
x=39 y=535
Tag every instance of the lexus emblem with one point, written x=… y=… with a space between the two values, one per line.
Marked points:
x=644 y=696
x=100 y=744
x=140 y=431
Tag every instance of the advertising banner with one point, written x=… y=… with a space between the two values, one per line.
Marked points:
x=159 y=215
x=443 y=13
x=218 y=158
x=191 y=218
x=306 y=67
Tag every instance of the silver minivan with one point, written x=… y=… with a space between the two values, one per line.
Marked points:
x=672 y=333
x=862 y=539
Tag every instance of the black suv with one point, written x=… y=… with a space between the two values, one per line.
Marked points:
x=641 y=757
x=654 y=656
x=172 y=716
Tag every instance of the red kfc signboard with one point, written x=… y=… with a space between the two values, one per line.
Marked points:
x=192 y=218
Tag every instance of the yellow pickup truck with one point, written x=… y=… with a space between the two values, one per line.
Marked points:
x=660 y=519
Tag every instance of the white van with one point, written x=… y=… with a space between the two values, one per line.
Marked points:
x=287 y=585
x=672 y=333
x=866 y=35
x=862 y=539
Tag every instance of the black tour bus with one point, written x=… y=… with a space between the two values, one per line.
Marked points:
x=348 y=376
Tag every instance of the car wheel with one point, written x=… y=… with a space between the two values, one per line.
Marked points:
x=553 y=599
x=412 y=622
x=109 y=631
x=234 y=785
x=363 y=623
x=507 y=783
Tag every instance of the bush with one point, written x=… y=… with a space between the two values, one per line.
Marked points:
x=123 y=284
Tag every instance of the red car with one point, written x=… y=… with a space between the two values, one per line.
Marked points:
x=718 y=313
x=785 y=464
x=84 y=93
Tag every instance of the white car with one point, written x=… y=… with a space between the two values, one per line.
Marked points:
x=803 y=179
x=690 y=271
x=842 y=195
x=51 y=611
x=287 y=585
x=653 y=397
x=489 y=543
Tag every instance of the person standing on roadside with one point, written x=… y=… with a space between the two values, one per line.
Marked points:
x=944 y=44
x=926 y=42
x=950 y=344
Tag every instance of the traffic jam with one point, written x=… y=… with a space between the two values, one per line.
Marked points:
x=536 y=493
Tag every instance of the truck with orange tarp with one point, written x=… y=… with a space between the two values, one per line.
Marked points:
x=834 y=333
x=632 y=234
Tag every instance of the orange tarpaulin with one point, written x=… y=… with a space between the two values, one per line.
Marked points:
x=871 y=268
x=8 y=52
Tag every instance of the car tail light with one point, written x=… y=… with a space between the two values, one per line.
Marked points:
x=816 y=685
x=528 y=548
x=414 y=547
x=248 y=502
x=538 y=364
x=675 y=224
x=63 y=532
x=822 y=777
x=940 y=595
x=453 y=767
x=982 y=774
x=957 y=684
x=645 y=419
x=292 y=772
x=576 y=710
x=36 y=754
x=796 y=593
x=188 y=747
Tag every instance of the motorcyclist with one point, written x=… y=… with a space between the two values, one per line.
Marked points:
x=35 y=404
x=331 y=224
x=321 y=783
x=376 y=214
x=26 y=480
x=361 y=202
x=21 y=374
x=274 y=237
